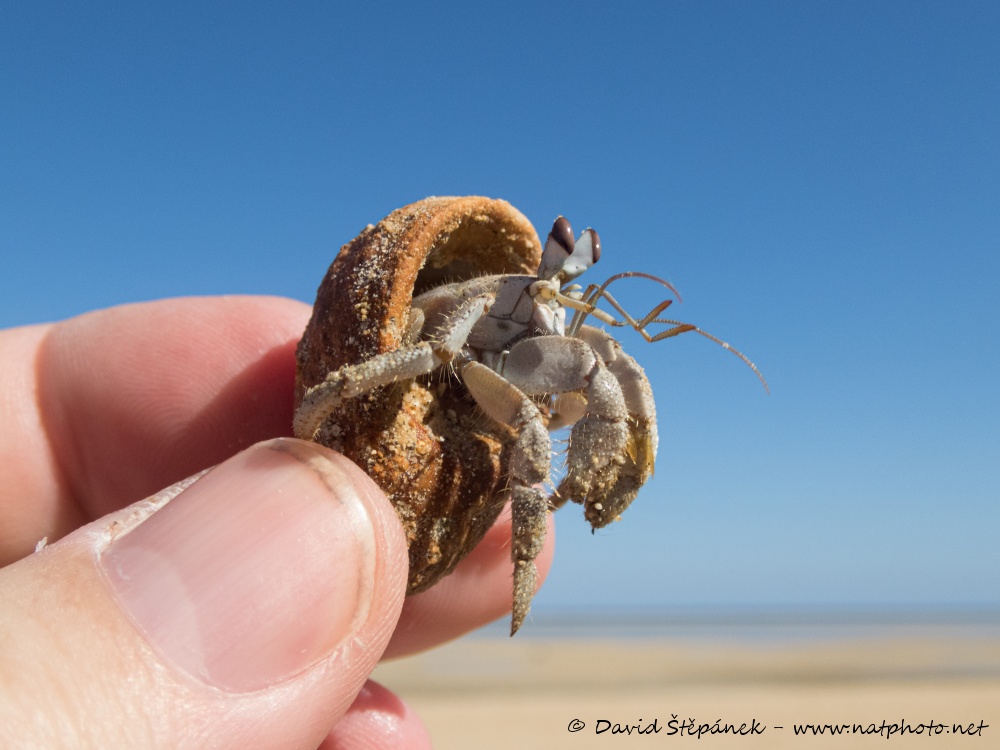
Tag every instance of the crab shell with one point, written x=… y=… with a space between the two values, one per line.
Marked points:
x=441 y=463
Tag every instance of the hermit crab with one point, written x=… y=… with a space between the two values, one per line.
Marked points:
x=439 y=357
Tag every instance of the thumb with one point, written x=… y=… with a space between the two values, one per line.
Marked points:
x=244 y=608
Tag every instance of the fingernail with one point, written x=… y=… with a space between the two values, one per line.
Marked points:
x=253 y=573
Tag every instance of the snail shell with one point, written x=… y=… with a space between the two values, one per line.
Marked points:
x=441 y=463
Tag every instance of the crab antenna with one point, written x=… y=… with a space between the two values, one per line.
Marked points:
x=593 y=293
x=582 y=308
x=639 y=275
x=685 y=327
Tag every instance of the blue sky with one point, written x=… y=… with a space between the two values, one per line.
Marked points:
x=820 y=181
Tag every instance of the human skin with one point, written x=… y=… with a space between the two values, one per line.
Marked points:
x=112 y=407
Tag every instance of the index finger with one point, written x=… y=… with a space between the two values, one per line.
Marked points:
x=112 y=406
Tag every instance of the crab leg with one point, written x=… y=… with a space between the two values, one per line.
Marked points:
x=402 y=364
x=529 y=468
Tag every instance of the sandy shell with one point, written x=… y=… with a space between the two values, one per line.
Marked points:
x=441 y=463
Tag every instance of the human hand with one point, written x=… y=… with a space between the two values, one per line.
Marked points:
x=248 y=610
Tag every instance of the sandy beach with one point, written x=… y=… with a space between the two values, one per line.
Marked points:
x=937 y=681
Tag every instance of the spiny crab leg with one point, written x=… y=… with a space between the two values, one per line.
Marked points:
x=319 y=402
x=529 y=469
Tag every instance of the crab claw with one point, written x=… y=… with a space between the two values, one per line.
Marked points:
x=598 y=443
x=612 y=497
x=606 y=489
x=565 y=258
x=607 y=496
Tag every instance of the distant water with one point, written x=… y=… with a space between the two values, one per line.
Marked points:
x=758 y=625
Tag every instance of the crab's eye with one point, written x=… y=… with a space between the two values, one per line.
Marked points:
x=562 y=233
x=558 y=247
x=595 y=244
x=586 y=253
x=566 y=258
